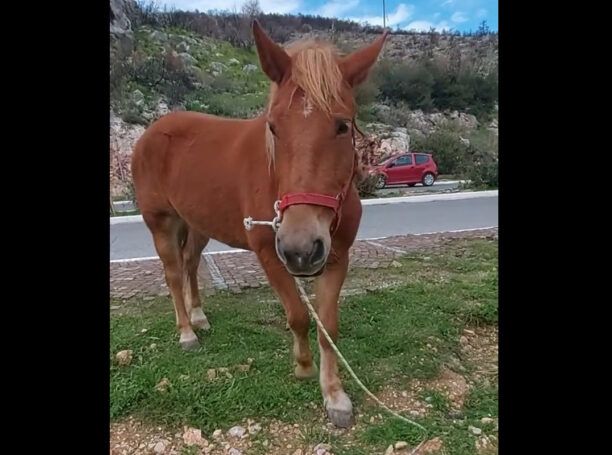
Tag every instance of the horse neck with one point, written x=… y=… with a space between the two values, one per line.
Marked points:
x=257 y=165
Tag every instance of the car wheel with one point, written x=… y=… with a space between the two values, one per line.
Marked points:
x=428 y=179
x=381 y=182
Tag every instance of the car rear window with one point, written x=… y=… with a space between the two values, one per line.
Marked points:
x=420 y=159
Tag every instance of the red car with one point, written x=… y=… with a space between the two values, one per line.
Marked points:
x=406 y=168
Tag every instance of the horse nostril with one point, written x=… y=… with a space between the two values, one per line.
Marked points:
x=300 y=259
x=295 y=258
x=318 y=251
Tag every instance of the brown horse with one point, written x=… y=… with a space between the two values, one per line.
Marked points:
x=199 y=177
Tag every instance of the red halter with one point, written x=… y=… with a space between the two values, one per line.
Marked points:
x=309 y=198
x=323 y=200
x=332 y=202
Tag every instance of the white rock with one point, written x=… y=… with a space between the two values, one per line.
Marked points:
x=237 y=431
x=124 y=358
x=475 y=430
x=400 y=445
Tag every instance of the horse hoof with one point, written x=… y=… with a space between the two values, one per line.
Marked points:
x=340 y=418
x=340 y=410
x=201 y=324
x=189 y=343
x=199 y=319
x=306 y=372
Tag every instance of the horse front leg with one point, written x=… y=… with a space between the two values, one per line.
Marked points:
x=327 y=287
x=297 y=314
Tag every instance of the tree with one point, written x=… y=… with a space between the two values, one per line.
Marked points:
x=251 y=9
x=483 y=29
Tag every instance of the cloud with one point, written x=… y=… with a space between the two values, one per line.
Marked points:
x=442 y=25
x=481 y=12
x=448 y=2
x=402 y=13
x=267 y=6
x=335 y=8
x=279 y=6
x=459 y=16
x=425 y=26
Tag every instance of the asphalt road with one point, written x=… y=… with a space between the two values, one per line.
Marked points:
x=439 y=186
x=133 y=240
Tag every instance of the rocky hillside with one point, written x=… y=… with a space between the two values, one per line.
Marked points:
x=161 y=65
x=482 y=50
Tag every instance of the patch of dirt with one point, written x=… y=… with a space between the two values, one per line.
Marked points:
x=430 y=447
x=130 y=436
x=402 y=401
x=480 y=349
x=487 y=445
x=134 y=437
x=288 y=439
x=450 y=384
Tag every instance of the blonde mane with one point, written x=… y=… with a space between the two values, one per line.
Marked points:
x=314 y=70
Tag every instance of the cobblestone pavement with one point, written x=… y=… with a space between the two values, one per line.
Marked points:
x=235 y=271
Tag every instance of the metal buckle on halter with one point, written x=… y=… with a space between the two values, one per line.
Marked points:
x=274 y=224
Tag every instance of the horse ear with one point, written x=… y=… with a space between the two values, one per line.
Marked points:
x=356 y=66
x=275 y=62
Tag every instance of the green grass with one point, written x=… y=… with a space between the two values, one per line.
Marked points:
x=384 y=335
x=233 y=93
x=481 y=402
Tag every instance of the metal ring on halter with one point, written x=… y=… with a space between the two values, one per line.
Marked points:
x=277 y=219
x=274 y=224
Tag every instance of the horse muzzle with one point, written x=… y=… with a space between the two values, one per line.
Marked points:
x=302 y=255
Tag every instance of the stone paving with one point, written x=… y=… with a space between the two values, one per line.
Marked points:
x=235 y=271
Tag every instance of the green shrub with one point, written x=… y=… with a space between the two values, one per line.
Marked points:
x=483 y=173
x=397 y=114
x=433 y=85
x=367 y=186
x=367 y=92
x=482 y=166
x=448 y=150
x=411 y=83
x=473 y=158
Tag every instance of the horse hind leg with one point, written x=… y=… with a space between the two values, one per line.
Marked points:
x=192 y=253
x=169 y=234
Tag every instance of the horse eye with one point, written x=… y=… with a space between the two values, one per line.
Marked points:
x=341 y=127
